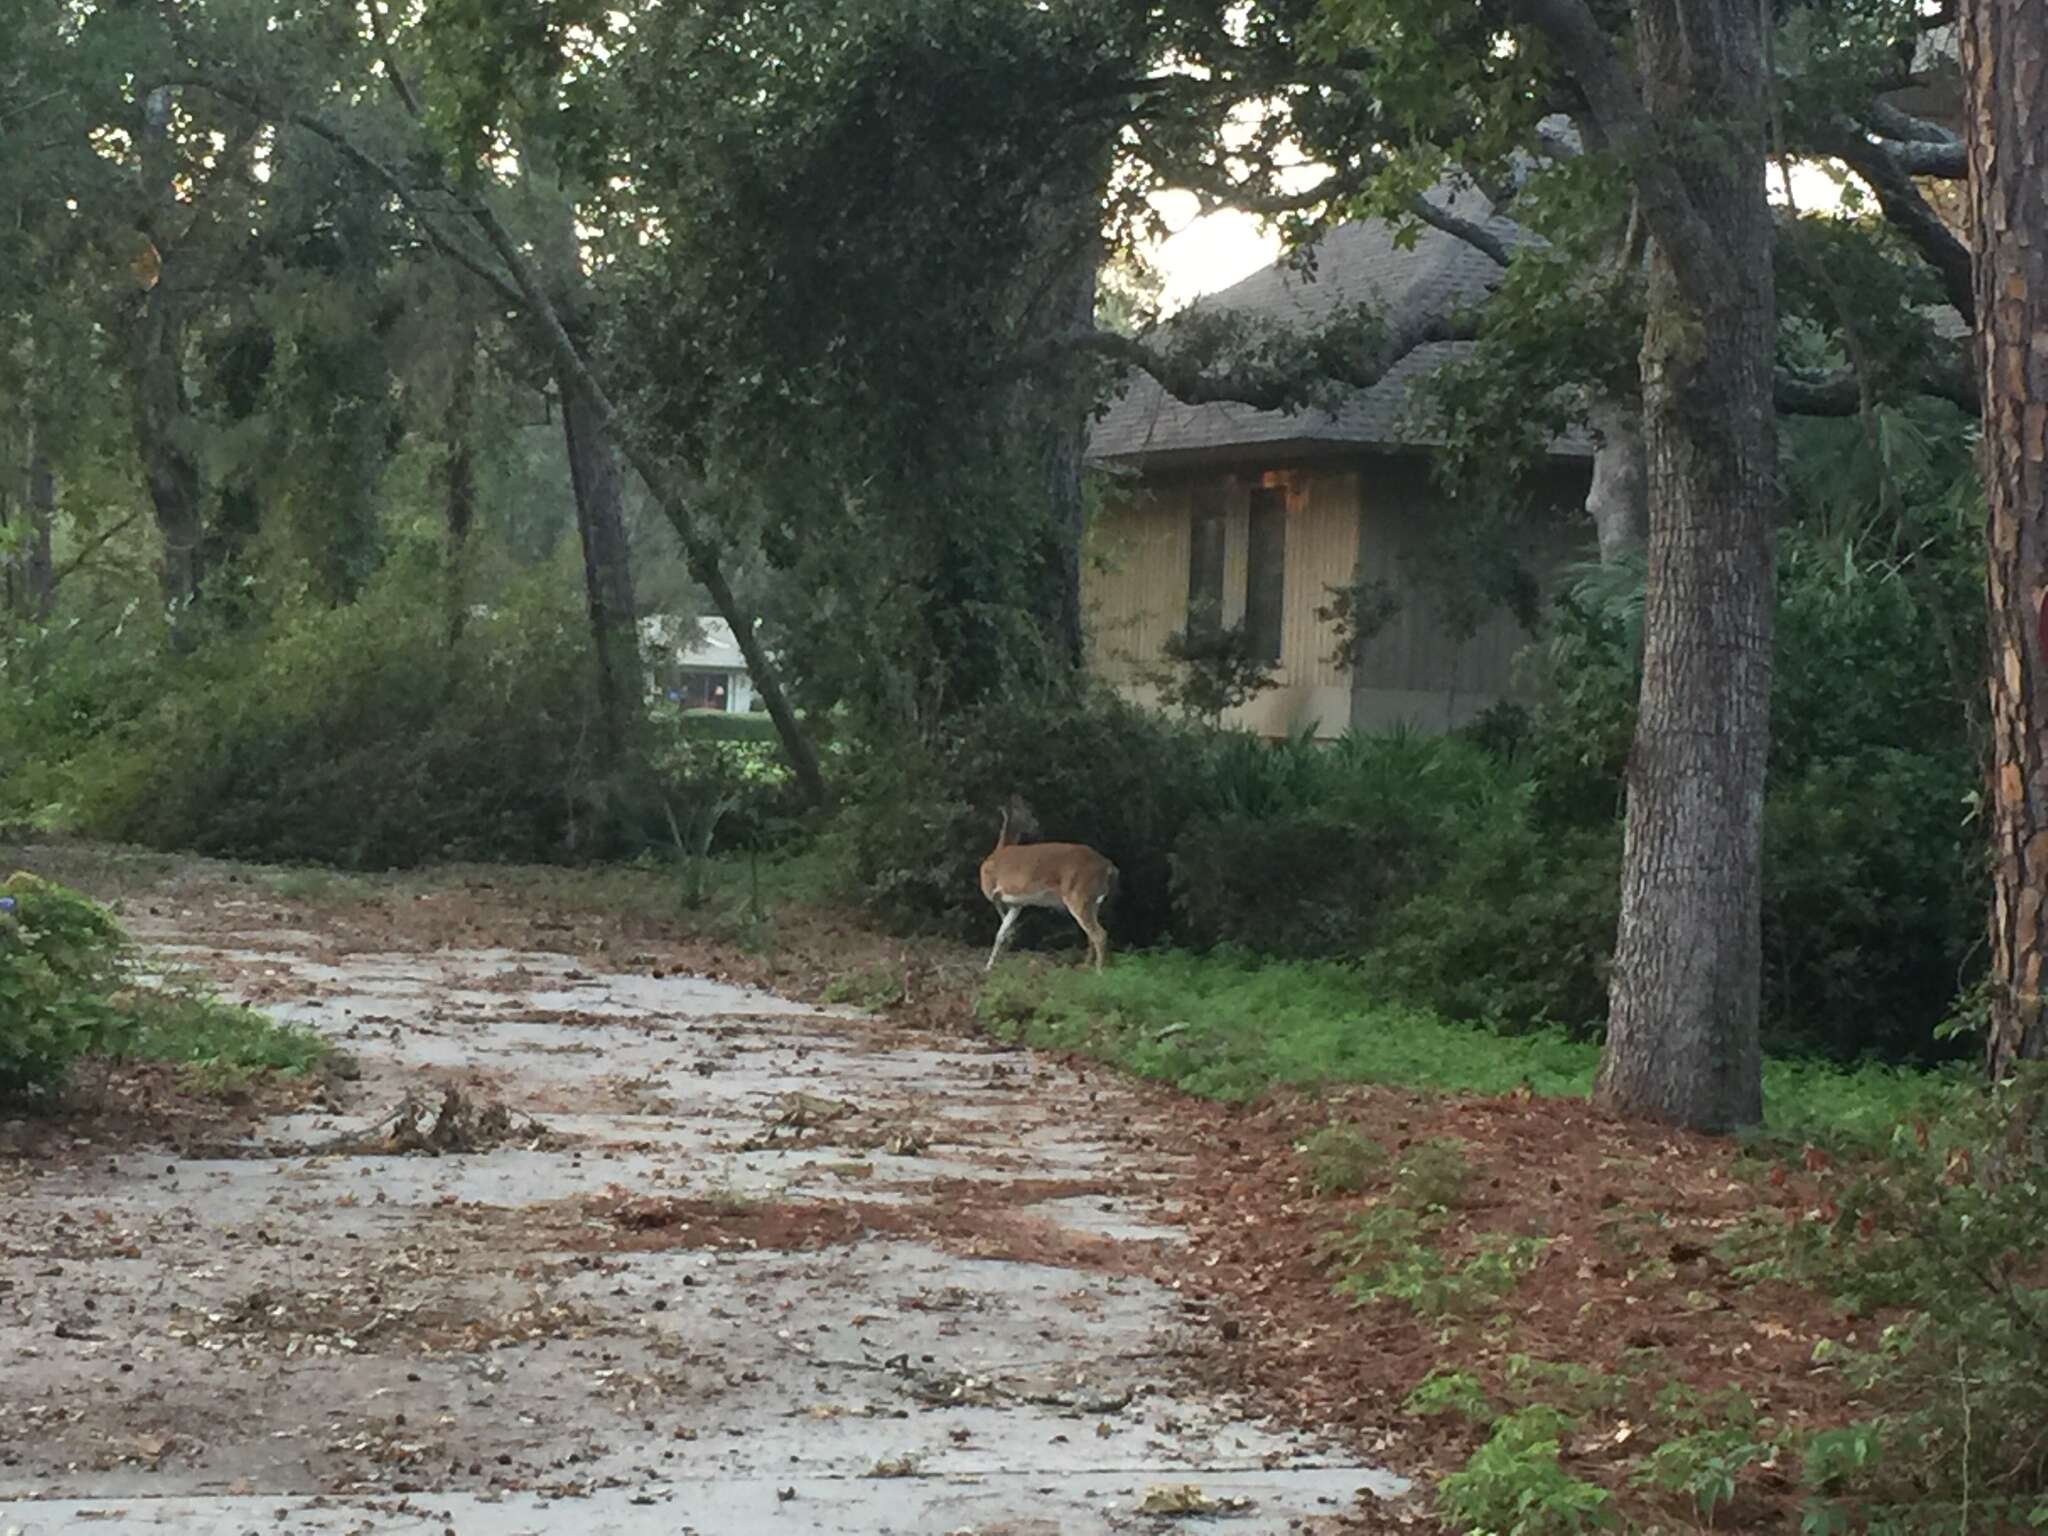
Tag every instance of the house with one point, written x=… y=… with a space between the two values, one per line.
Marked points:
x=1252 y=517
x=696 y=664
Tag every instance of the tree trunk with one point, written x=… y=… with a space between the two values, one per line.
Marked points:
x=162 y=419
x=458 y=473
x=672 y=493
x=38 y=591
x=1682 y=1041
x=2005 y=79
x=607 y=568
x=600 y=497
x=1618 y=499
x=161 y=406
x=28 y=579
x=1072 y=306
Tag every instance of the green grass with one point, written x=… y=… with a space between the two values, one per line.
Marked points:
x=1227 y=1028
x=315 y=885
x=656 y=887
x=200 y=1031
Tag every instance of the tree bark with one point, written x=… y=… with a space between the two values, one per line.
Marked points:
x=161 y=406
x=28 y=577
x=163 y=439
x=2005 y=81
x=607 y=568
x=1618 y=498
x=1682 y=1043
x=675 y=498
x=600 y=504
x=1072 y=308
x=38 y=595
x=458 y=475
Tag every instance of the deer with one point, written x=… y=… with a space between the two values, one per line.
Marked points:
x=1018 y=875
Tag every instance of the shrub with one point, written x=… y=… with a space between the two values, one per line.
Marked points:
x=1949 y=1227
x=60 y=959
x=364 y=736
x=1515 y=1485
x=1384 y=1257
x=1313 y=845
x=1091 y=768
x=1871 y=870
x=65 y=994
x=1433 y=1175
x=1210 y=672
x=1447 y=1391
x=1342 y=1160
x=1303 y=888
x=1517 y=933
x=1872 y=904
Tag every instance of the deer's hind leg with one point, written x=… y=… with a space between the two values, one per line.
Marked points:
x=1087 y=912
x=1002 y=936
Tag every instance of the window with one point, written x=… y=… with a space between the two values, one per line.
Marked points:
x=700 y=690
x=1265 y=577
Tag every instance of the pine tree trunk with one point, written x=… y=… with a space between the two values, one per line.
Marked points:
x=607 y=568
x=38 y=571
x=600 y=502
x=161 y=406
x=163 y=428
x=1073 y=309
x=458 y=473
x=2005 y=79
x=1682 y=1041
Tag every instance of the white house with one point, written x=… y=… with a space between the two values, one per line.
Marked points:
x=696 y=664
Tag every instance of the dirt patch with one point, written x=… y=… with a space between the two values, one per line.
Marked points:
x=369 y=1318
x=623 y=1222
x=1632 y=1289
x=971 y=1220
x=115 y=1107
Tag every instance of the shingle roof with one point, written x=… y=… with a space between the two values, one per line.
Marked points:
x=1355 y=263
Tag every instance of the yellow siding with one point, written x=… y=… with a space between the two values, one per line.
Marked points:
x=1340 y=523
x=1134 y=590
x=1415 y=671
x=1134 y=582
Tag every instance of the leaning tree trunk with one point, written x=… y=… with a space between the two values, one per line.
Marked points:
x=675 y=495
x=2005 y=79
x=1682 y=1035
x=607 y=567
x=600 y=501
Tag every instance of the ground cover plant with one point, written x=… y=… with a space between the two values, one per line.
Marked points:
x=70 y=992
x=1232 y=1026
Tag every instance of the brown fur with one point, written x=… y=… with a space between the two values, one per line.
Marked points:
x=1018 y=875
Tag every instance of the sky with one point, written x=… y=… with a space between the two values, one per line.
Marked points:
x=1207 y=253
x=1213 y=251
